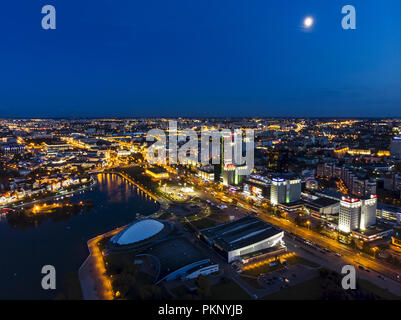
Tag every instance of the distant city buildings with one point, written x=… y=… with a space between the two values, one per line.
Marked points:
x=356 y=185
x=12 y=148
x=392 y=182
x=347 y=157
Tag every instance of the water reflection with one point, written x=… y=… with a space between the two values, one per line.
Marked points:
x=62 y=242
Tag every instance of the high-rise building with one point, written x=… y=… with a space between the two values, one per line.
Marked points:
x=368 y=212
x=350 y=210
x=395 y=148
x=278 y=191
x=285 y=191
x=225 y=140
x=357 y=213
x=233 y=174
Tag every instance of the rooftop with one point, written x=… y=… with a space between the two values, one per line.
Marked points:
x=323 y=202
x=138 y=231
x=173 y=254
x=240 y=233
x=156 y=170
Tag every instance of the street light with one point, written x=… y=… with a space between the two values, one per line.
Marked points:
x=308 y=223
x=375 y=249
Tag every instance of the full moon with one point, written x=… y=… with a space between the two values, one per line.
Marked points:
x=308 y=22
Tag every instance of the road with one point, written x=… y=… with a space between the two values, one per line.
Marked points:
x=349 y=255
x=335 y=263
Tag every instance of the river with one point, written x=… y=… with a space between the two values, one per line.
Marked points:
x=63 y=243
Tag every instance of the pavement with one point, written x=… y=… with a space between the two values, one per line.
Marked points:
x=294 y=274
x=390 y=273
x=95 y=284
x=330 y=261
x=97 y=288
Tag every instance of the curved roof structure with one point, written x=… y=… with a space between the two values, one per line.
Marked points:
x=138 y=231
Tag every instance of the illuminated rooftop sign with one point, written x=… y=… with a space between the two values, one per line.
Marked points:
x=350 y=200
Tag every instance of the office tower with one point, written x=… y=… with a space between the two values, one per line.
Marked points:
x=395 y=148
x=233 y=174
x=357 y=213
x=285 y=191
x=278 y=191
x=350 y=210
x=368 y=212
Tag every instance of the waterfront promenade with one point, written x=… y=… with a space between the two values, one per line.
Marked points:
x=95 y=284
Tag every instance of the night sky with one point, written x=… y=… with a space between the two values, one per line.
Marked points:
x=133 y=58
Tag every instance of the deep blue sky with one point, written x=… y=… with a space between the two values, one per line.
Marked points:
x=200 y=58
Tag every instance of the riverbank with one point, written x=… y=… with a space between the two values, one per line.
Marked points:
x=51 y=197
x=62 y=241
x=164 y=203
x=95 y=284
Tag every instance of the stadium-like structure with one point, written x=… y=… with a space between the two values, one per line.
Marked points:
x=172 y=255
x=140 y=233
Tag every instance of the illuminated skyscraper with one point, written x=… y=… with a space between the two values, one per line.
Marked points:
x=396 y=147
x=350 y=210
x=357 y=214
x=285 y=191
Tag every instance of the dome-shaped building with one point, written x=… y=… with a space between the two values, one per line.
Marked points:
x=140 y=232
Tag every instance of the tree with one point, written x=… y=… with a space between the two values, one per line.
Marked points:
x=124 y=283
x=352 y=243
x=150 y=292
x=204 y=287
x=398 y=167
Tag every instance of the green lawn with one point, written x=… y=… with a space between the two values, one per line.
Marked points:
x=299 y=260
x=203 y=223
x=252 y=282
x=384 y=293
x=71 y=288
x=311 y=290
x=180 y=291
x=307 y=290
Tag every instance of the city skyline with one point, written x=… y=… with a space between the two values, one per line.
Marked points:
x=310 y=192
x=200 y=158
